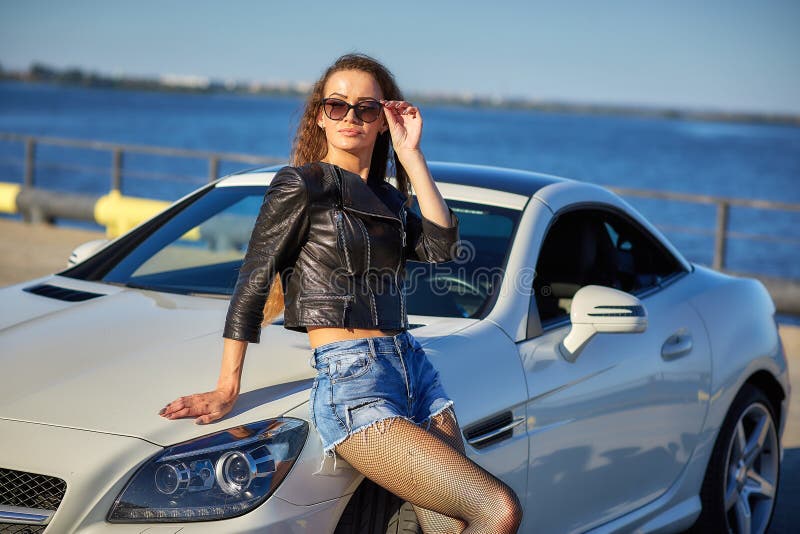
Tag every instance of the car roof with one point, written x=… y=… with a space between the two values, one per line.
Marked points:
x=498 y=178
x=515 y=181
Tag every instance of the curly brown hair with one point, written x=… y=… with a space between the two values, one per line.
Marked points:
x=310 y=145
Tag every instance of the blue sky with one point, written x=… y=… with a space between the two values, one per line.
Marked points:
x=738 y=55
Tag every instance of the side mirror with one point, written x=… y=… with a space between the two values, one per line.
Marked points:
x=81 y=252
x=601 y=309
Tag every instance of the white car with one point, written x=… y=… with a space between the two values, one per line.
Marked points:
x=614 y=385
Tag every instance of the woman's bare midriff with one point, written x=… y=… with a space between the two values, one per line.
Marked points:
x=319 y=335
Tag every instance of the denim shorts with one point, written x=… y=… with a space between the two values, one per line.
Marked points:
x=366 y=381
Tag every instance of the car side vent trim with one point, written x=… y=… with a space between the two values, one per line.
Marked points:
x=61 y=293
x=492 y=430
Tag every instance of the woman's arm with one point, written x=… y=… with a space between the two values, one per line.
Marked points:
x=428 y=242
x=212 y=405
x=281 y=227
x=431 y=204
x=279 y=230
x=405 y=127
x=431 y=238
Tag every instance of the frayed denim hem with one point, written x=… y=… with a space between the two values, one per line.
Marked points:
x=429 y=419
x=382 y=425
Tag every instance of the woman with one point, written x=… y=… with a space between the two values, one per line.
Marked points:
x=331 y=219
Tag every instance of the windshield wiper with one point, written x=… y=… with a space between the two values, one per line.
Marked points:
x=134 y=285
x=211 y=295
x=190 y=292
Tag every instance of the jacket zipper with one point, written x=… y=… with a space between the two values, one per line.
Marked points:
x=400 y=267
x=340 y=237
x=403 y=222
x=337 y=215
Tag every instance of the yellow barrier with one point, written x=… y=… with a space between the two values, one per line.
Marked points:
x=8 y=197
x=120 y=214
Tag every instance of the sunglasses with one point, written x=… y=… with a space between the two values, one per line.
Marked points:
x=366 y=110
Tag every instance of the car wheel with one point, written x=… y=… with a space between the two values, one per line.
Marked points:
x=741 y=482
x=373 y=510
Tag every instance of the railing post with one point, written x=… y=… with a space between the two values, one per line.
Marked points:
x=213 y=168
x=721 y=235
x=30 y=157
x=116 y=170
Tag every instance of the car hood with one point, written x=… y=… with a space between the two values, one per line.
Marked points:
x=110 y=363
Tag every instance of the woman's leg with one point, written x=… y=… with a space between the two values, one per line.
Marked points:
x=445 y=427
x=426 y=471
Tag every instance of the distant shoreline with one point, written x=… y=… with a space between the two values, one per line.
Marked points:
x=201 y=85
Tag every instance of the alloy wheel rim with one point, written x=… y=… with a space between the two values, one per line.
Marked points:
x=751 y=472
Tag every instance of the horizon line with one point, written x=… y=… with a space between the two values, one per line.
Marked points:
x=41 y=72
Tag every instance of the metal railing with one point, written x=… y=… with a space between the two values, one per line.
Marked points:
x=723 y=205
x=118 y=151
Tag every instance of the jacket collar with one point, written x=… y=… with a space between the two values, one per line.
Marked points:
x=358 y=195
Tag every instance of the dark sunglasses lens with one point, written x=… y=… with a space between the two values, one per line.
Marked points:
x=368 y=111
x=335 y=109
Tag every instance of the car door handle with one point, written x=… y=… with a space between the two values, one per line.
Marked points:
x=677 y=345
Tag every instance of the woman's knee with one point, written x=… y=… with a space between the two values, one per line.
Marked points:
x=504 y=512
x=509 y=508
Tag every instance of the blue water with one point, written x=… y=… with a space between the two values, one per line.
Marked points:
x=723 y=159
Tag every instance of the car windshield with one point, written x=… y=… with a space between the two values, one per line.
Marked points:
x=199 y=251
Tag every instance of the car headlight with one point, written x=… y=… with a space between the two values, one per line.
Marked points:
x=221 y=475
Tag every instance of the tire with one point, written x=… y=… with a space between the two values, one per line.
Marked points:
x=373 y=510
x=752 y=489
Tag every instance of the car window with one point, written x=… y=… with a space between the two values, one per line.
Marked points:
x=219 y=239
x=463 y=287
x=198 y=250
x=594 y=246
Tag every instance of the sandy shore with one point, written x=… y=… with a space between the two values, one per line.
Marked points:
x=32 y=250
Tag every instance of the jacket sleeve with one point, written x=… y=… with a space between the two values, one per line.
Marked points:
x=427 y=241
x=280 y=229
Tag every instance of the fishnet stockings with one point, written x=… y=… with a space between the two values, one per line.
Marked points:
x=449 y=492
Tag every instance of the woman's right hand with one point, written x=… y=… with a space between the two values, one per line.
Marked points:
x=212 y=405
x=206 y=407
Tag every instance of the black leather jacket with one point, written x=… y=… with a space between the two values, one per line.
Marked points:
x=340 y=245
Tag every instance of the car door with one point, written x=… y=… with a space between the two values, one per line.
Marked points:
x=612 y=430
x=477 y=360
x=489 y=399
x=478 y=364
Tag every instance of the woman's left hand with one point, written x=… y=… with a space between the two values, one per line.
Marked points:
x=405 y=124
